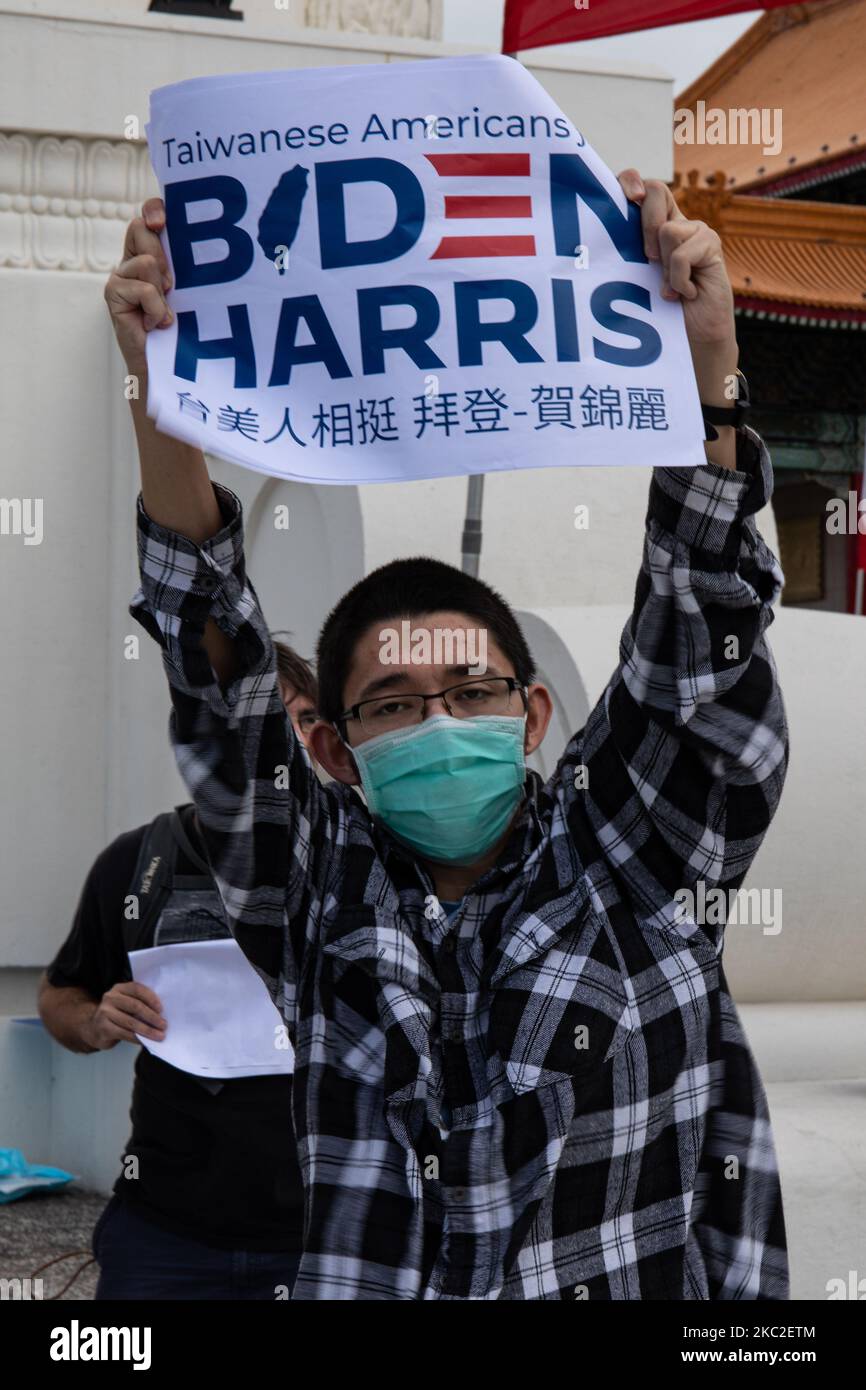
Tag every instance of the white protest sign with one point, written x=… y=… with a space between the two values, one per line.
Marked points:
x=406 y=271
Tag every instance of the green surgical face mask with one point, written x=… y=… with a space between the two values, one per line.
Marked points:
x=447 y=788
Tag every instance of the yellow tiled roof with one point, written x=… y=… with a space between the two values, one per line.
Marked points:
x=808 y=61
x=800 y=253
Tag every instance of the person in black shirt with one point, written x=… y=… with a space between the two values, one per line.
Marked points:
x=209 y=1201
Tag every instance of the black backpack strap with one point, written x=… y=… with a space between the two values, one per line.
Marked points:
x=183 y=820
x=151 y=882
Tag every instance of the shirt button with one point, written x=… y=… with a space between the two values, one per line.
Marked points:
x=449 y=945
x=452 y=1031
x=459 y=1194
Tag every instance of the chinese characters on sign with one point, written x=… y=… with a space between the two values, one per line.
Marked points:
x=485 y=411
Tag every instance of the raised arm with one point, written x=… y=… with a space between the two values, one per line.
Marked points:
x=263 y=815
x=685 y=754
x=686 y=751
x=176 y=491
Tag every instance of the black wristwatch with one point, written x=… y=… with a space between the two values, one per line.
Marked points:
x=732 y=415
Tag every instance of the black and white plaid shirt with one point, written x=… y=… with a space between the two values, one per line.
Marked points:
x=549 y=1096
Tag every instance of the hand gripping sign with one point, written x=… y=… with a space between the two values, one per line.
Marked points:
x=406 y=271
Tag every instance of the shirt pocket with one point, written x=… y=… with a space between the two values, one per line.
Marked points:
x=377 y=996
x=356 y=1040
x=564 y=1014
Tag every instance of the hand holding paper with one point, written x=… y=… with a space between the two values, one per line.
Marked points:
x=222 y=1022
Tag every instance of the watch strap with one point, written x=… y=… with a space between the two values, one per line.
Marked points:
x=727 y=416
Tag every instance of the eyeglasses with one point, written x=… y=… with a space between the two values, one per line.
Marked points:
x=495 y=695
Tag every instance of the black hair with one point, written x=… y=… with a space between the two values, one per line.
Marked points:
x=411 y=588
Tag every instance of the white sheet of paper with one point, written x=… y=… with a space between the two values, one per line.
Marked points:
x=220 y=1018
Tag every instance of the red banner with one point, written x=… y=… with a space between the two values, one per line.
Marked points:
x=860 y=546
x=531 y=23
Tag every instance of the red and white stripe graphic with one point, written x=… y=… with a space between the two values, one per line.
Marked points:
x=483 y=205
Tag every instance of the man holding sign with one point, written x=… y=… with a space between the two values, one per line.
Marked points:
x=519 y=1074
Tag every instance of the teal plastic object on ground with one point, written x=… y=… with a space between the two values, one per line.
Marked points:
x=18 y=1177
